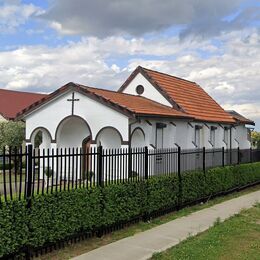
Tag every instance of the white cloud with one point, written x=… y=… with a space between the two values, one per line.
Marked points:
x=14 y=13
x=230 y=74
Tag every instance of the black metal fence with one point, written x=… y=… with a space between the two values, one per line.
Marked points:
x=27 y=172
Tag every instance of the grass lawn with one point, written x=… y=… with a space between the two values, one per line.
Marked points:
x=238 y=238
x=90 y=244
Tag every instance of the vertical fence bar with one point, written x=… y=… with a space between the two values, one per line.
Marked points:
x=15 y=169
x=251 y=157
x=43 y=170
x=57 y=169
x=39 y=168
x=204 y=159
x=29 y=173
x=10 y=173
x=238 y=155
x=223 y=157
x=4 y=173
x=179 y=177
x=100 y=166
x=146 y=162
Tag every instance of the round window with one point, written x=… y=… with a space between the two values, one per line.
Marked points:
x=139 y=89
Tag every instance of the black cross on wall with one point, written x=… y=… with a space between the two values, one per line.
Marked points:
x=72 y=100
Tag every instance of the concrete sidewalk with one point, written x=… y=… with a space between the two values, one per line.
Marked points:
x=143 y=245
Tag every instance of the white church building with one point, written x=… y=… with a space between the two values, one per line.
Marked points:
x=150 y=109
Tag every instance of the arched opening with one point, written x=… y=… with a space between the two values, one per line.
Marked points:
x=41 y=138
x=71 y=132
x=109 y=137
x=137 y=138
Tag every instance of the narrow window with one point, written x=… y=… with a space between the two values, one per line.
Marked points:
x=213 y=136
x=159 y=134
x=226 y=135
x=197 y=136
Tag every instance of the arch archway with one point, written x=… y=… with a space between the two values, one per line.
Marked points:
x=71 y=132
x=109 y=137
x=137 y=138
x=41 y=138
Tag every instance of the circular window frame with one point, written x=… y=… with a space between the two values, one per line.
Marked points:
x=139 y=89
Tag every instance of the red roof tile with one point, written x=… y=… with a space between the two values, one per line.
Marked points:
x=11 y=102
x=130 y=104
x=137 y=104
x=185 y=95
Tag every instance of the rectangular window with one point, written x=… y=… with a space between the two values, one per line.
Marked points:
x=226 y=131
x=159 y=139
x=197 y=136
x=159 y=134
x=213 y=136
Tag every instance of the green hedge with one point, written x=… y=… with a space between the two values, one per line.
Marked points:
x=53 y=217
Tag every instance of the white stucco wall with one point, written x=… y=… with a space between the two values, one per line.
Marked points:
x=96 y=115
x=149 y=90
x=183 y=134
x=241 y=135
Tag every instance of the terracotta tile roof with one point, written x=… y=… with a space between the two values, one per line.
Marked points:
x=131 y=105
x=184 y=95
x=11 y=102
x=137 y=104
x=239 y=118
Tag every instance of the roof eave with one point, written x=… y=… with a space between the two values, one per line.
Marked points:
x=163 y=116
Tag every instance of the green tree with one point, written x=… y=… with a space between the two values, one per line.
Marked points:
x=255 y=137
x=11 y=134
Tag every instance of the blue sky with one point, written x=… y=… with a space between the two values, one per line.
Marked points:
x=45 y=44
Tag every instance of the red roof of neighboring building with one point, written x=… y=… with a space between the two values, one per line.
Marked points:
x=184 y=95
x=12 y=102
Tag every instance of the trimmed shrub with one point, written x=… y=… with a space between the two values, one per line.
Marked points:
x=14 y=231
x=162 y=192
x=58 y=215
x=123 y=202
x=53 y=217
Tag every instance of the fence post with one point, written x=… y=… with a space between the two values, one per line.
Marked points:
x=238 y=155
x=251 y=157
x=146 y=162
x=179 y=177
x=223 y=157
x=100 y=165
x=28 y=192
x=204 y=159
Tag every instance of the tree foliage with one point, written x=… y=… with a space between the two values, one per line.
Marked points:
x=255 y=136
x=11 y=134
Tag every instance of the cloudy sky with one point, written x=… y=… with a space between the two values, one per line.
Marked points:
x=45 y=44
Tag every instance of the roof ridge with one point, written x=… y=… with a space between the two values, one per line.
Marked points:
x=24 y=92
x=163 y=73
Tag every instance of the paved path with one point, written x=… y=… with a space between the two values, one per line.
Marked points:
x=143 y=245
